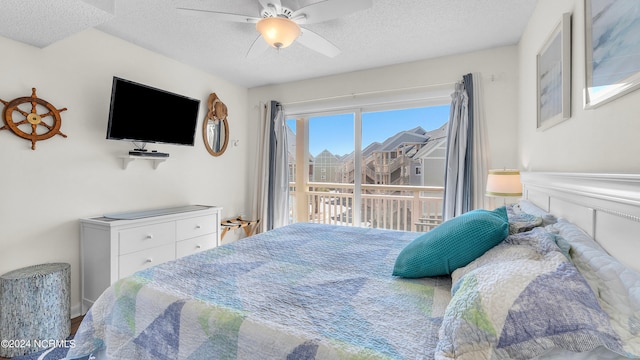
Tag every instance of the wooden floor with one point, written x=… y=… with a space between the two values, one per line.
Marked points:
x=75 y=323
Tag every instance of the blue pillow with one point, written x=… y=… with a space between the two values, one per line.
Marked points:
x=452 y=244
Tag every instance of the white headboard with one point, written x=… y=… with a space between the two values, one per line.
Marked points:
x=605 y=206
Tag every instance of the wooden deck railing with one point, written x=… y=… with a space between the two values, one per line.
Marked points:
x=398 y=207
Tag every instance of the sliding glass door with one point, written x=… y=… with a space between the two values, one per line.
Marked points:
x=382 y=169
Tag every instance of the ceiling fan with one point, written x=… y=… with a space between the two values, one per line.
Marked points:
x=279 y=26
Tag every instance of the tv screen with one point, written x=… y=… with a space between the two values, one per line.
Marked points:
x=141 y=113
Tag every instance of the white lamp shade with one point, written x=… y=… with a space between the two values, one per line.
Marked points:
x=504 y=183
x=278 y=32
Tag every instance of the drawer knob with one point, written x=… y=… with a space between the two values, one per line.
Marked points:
x=197 y=226
x=198 y=246
x=150 y=236
x=149 y=261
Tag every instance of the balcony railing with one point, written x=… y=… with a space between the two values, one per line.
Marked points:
x=397 y=207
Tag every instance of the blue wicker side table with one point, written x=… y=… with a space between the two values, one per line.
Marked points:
x=35 y=308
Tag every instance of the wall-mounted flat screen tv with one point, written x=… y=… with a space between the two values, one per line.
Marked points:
x=141 y=113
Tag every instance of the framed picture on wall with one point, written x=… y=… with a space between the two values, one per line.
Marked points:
x=612 y=50
x=554 y=76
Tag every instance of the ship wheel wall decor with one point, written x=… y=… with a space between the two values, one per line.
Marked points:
x=39 y=122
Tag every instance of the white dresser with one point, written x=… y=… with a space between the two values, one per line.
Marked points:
x=117 y=245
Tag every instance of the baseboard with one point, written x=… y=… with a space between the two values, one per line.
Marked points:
x=76 y=311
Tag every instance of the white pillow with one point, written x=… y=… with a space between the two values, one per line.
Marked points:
x=617 y=287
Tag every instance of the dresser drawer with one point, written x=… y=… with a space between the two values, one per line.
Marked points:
x=196 y=226
x=140 y=260
x=144 y=237
x=194 y=245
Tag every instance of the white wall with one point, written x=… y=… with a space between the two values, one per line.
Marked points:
x=498 y=68
x=44 y=192
x=604 y=139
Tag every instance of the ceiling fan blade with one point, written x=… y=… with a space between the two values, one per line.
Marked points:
x=328 y=10
x=317 y=43
x=210 y=14
x=258 y=47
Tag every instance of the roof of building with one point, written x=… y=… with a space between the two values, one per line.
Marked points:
x=436 y=138
x=416 y=135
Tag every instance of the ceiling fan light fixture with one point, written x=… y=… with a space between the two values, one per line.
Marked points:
x=278 y=32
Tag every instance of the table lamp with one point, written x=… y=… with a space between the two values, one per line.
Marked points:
x=504 y=183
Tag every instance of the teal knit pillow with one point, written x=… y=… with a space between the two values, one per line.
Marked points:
x=452 y=244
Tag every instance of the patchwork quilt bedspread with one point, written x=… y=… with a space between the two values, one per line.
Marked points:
x=304 y=291
x=523 y=299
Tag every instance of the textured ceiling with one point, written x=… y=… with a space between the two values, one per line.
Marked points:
x=390 y=32
x=41 y=23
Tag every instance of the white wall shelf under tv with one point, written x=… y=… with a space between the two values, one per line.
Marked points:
x=127 y=159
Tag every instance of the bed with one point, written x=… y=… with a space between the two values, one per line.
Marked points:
x=312 y=291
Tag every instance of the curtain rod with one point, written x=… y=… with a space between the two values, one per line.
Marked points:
x=369 y=93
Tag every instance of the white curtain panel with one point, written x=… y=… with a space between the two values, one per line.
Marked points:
x=261 y=192
x=457 y=142
x=280 y=171
x=271 y=196
x=480 y=158
x=467 y=153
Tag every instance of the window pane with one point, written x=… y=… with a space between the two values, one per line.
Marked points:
x=400 y=146
x=331 y=144
x=291 y=143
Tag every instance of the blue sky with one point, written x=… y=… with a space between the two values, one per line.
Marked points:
x=335 y=133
